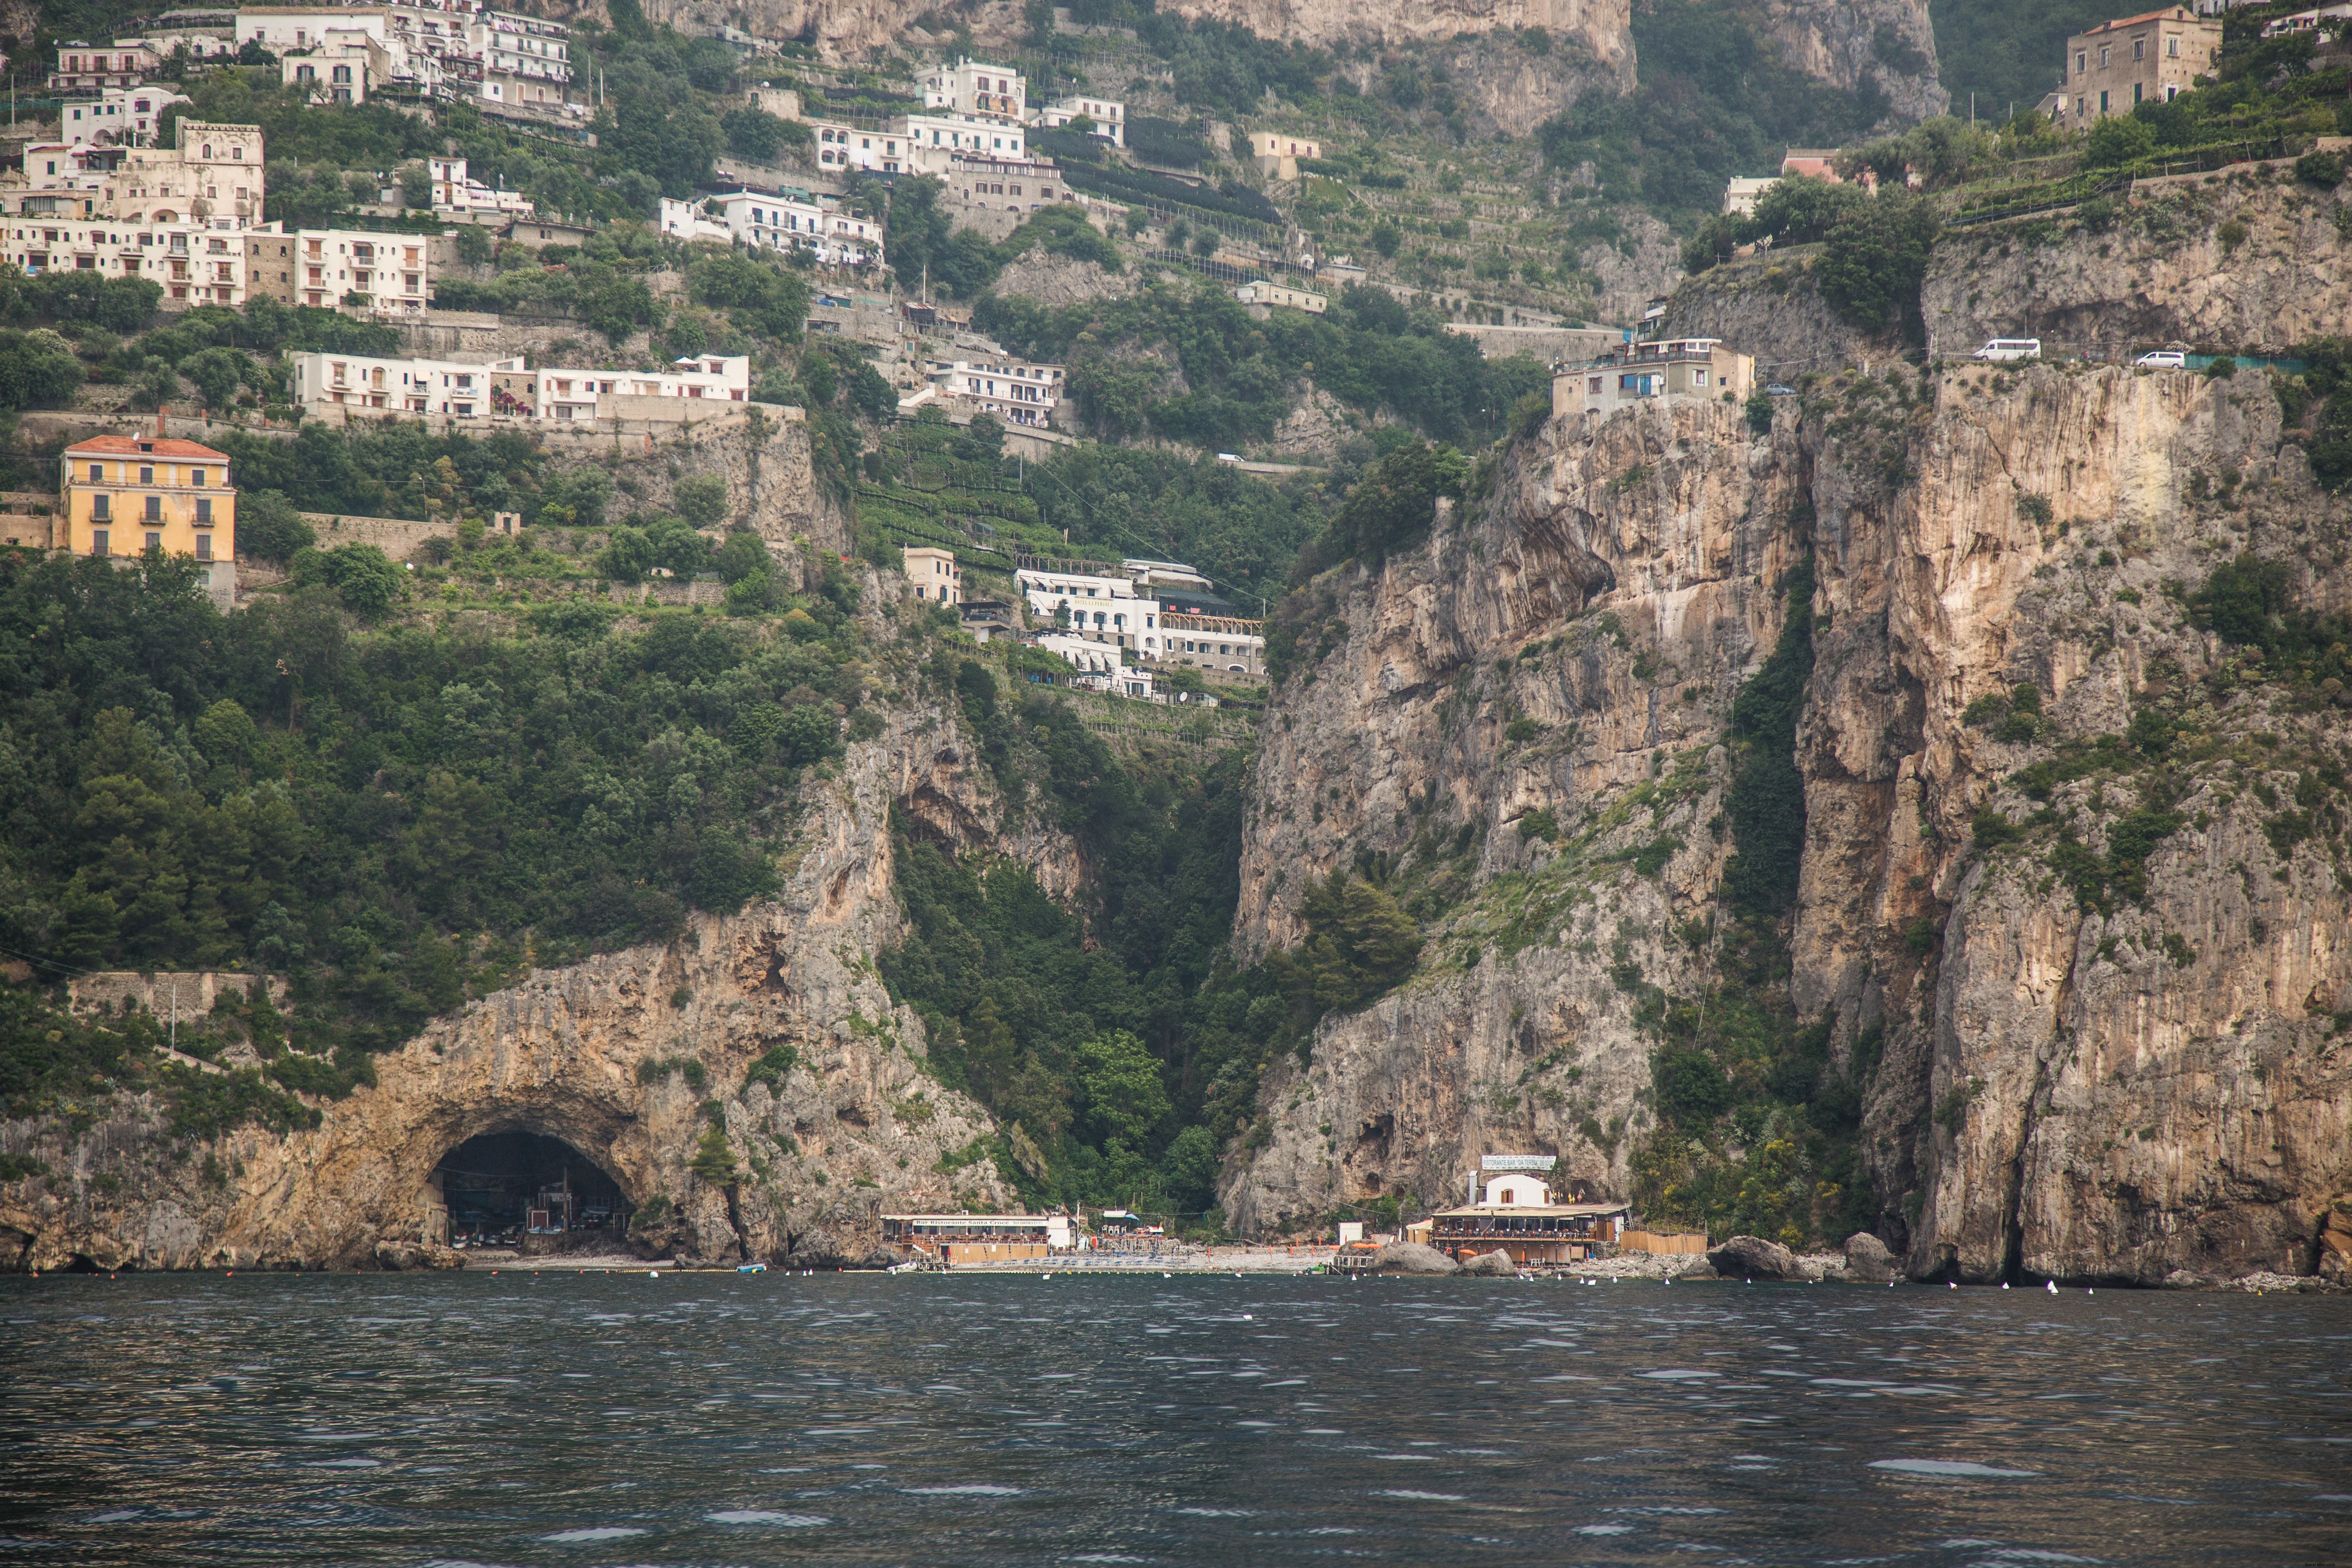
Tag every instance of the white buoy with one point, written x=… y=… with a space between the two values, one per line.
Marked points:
x=2053 y=1287
x=653 y=1273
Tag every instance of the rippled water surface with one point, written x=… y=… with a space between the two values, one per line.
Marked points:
x=607 y=1419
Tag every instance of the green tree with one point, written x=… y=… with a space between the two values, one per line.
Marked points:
x=362 y=575
x=2116 y=141
x=714 y=1158
x=1124 y=1098
x=702 y=500
x=743 y=555
x=627 y=555
x=269 y=527
x=1875 y=260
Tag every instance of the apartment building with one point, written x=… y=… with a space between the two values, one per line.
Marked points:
x=330 y=268
x=934 y=574
x=994 y=196
x=1109 y=116
x=127 y=494
x=2152 y=57
x=1662 y=368
x=195 y=266
x=118 y=117
x=503 y=389
x=977 y=88
x=525 y=62
x=211 y=179
x=93 y=68
x=775 y=221
x=1093 y=607
x=1014 y=391
x=338 y=73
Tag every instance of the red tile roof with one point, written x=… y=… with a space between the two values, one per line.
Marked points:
x=2170 y=14
x=143 y=446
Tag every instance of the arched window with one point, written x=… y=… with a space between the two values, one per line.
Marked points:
x=208 y=148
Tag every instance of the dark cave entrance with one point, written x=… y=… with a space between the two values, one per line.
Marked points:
x=516 y=1188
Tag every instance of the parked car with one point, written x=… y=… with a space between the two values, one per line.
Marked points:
x=2163 y=359
x=2003 y=349
x=1779 y=389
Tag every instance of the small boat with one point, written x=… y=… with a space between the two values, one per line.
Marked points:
x=750 y=1268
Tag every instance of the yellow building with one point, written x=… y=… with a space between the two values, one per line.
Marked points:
x=125 y=495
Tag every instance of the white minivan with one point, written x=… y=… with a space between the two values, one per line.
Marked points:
x=2010 y=349
x=2163 y=359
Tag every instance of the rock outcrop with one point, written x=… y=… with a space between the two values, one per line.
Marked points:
x=1412 y=1257
x=1753 y=1258
x=2065 y=1071
x=1867 y=1260
x=1495 y=1265
x=1889 y=44
x=2223 y=262
x=628 y=1057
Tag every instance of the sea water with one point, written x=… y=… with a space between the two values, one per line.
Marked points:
x=568 y=1419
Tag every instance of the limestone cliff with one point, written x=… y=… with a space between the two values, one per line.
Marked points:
x=2217 y=262
x=626 y=1056
x=1601 y=28
x=1886 y=43
x=2065 y=1071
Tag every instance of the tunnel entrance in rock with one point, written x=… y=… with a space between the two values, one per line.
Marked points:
x=525 y=1190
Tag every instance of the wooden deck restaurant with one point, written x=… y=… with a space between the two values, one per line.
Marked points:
x=1516 y=1215
x=954 y=1239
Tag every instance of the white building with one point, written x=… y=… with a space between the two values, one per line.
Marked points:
x=85 y=68
x=1109 y=116
x=1014 y=391
x=840 y=146
x=121 y=116
x=777 y=222
x=977 y=87
x=1099 y=664
x=339 y=72
x=456 y=190
x=195 y=265
x=1224 y=643
x=1097 y=609
x=296 y=29
x=935 y=138
x=1741 y=193
x=505 y=389
x=525 y=62
x=1260 y=291
x=323 y=267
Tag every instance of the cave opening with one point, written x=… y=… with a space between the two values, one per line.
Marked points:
x=517 y=1188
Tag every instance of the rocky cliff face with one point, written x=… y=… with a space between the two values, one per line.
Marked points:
x=2216 y=263
x=2065 y=1071
x=1601 y=28
x=628 y=1057
x=1886 y=43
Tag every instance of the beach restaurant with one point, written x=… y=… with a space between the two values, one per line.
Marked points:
x=1516 y=1214
x=954 y=1239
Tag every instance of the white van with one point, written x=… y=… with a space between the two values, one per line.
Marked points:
x=2003 y=349
x=2163 y=359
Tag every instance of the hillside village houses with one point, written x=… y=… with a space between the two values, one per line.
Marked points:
x=1277 y=154
x=330 y=386
x=934 y=574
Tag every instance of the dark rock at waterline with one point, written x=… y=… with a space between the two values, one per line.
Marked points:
x=1412 y=1257
x=1753 y=1258
x=1497 y=1264
x=1867 y=1260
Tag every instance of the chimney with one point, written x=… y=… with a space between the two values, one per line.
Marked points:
x=160 y=409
